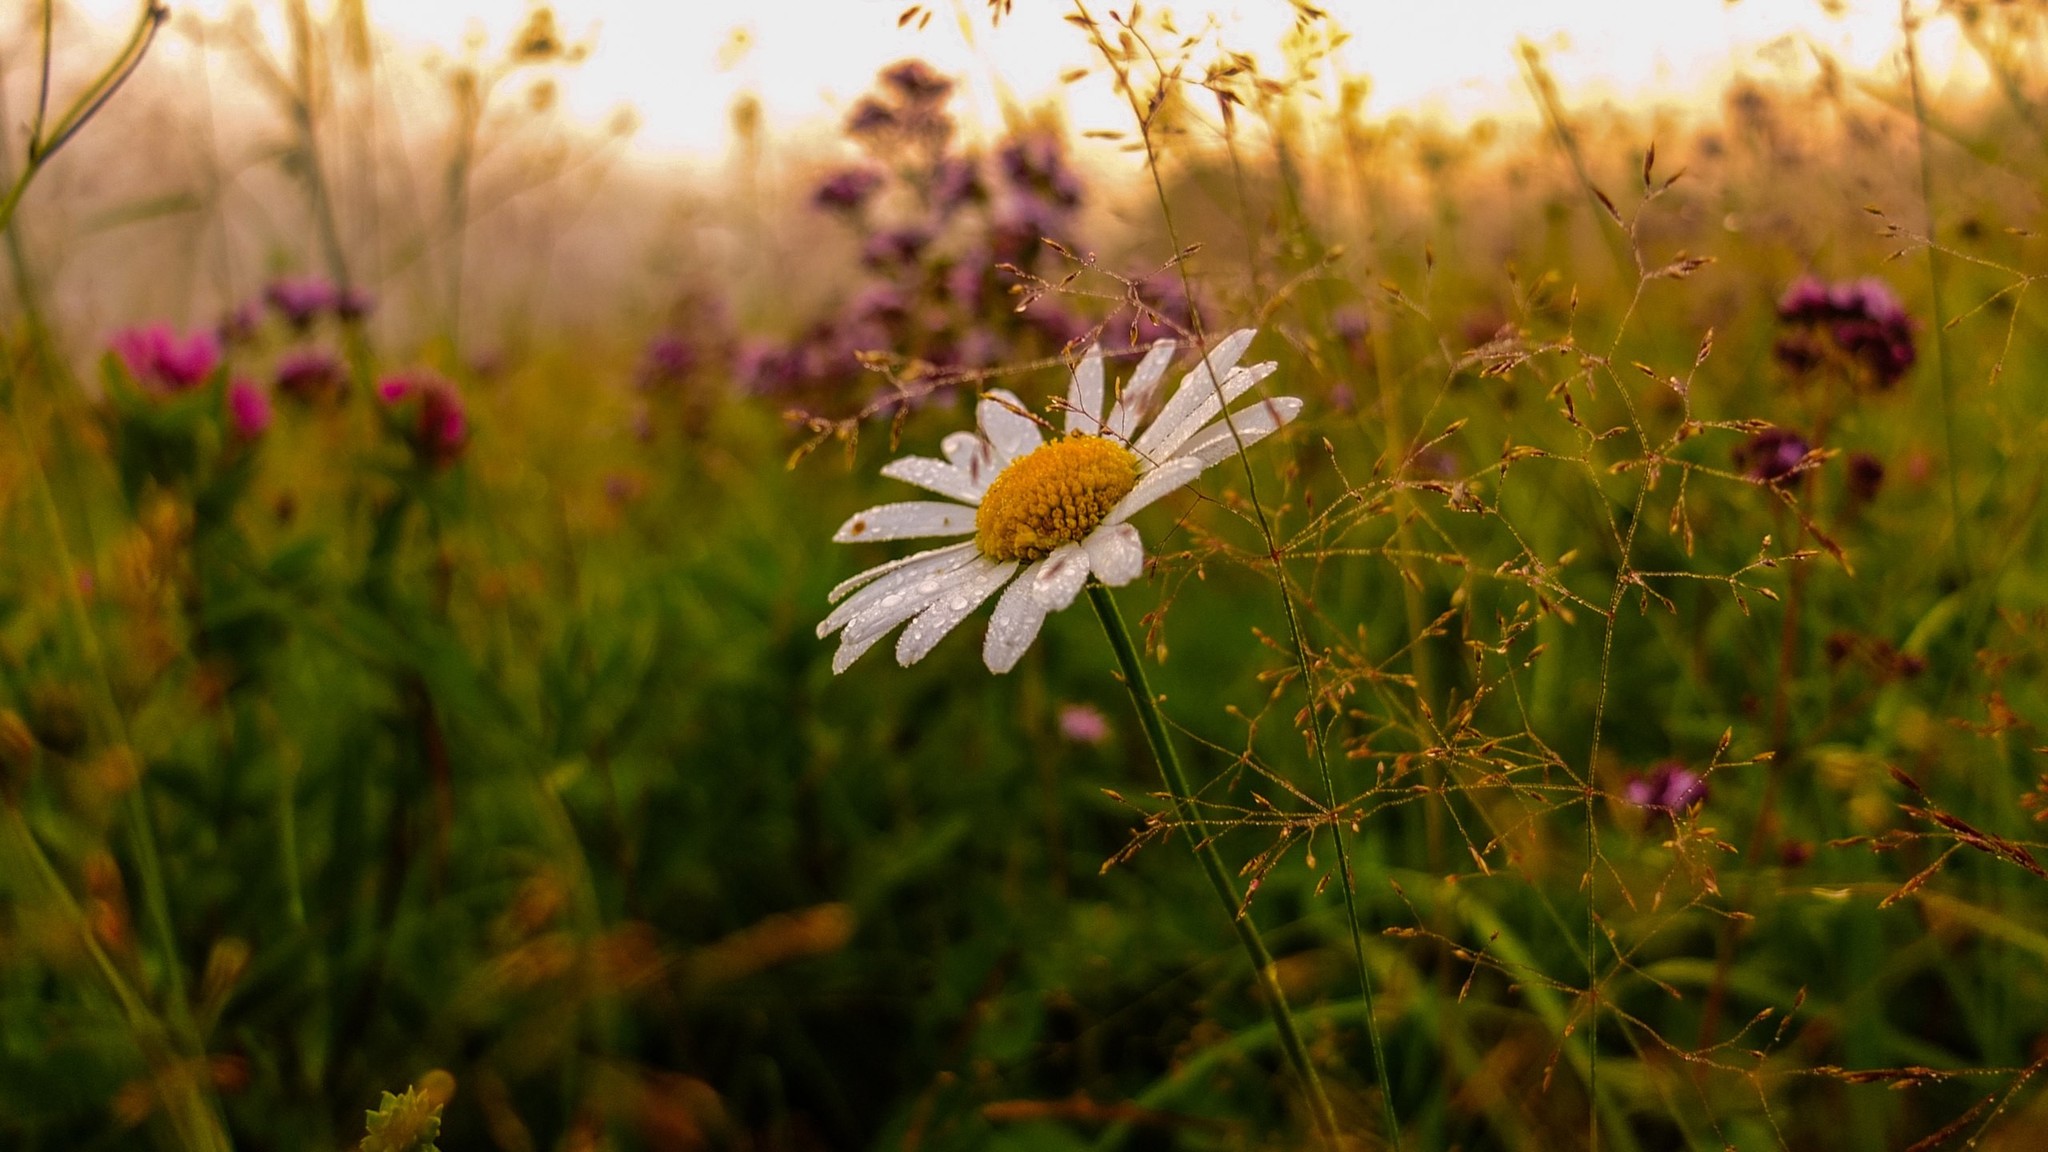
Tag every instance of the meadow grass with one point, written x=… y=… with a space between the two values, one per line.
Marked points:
x=1616 y=701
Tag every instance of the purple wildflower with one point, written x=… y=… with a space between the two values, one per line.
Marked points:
x=878 y=305
x=917 y=82
x=163 y=363
x=240 y=323
x=965 y=279
x=1866 y=476
x=1083 y=724
x=847 y=190
x=895 y=246
x=1772 y=456
x=1036 y=162
x=309 y=375
x=667 y=359
x=870 y=117
x=438 y=427
x=1669 y=787
x=301 y=299
x=354 y=304
x=1059 y=324
x=956 y=182
x=1352 y=325
x=1863 y=319
x=978 y=348
x=622 y=488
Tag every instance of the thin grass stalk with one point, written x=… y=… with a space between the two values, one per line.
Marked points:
x=1204 y=845
x=88 y=104
x=135 y=809
x=187 y=1102
x=1318 y=731
x=304 y=121
x=1909 y=27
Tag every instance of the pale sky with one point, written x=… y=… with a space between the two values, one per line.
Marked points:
x=681 y=63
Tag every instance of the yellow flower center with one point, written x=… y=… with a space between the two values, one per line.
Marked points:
x=1053 y=495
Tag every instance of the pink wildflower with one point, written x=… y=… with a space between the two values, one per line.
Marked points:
x=162 y=362
x=248 y=409
x=1083 y=724
x=439 y=428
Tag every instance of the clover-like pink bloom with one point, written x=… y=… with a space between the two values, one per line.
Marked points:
x=162 y=362
x=248 y=409
x=439 y=428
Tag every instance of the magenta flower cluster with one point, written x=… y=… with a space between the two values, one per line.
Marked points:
x=430 y=413
x=248 y=409
x=935 y=222
x=165 y=363
x=303 y=300
x=1773 y=456
x=1669 y=787
x=1861 y=321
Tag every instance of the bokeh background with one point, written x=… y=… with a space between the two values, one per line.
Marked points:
x=427 y=427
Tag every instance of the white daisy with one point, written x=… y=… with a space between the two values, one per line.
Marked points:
x=1051 y=513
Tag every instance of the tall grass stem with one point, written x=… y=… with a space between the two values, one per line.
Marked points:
x=1204 y=845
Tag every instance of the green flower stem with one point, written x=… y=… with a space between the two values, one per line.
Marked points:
x=1212 y=861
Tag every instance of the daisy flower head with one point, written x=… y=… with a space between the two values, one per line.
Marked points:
x=1042 y=516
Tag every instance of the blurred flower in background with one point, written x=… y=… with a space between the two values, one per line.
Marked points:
x=310 y=375
x=1083 y=724
x=301 y=300
x=163 y=362
x=1860 y=322
x=248 y=409
x=946 y=237
x=354 y=304
x=1773 y=456
x=429 y=414
x=1669 y=787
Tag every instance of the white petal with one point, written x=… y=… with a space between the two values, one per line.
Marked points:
x=1004 y=425
x=880 y=570
x=1195 y=387
x=1057 y=579
x=870 y=625
x=1160 y=442
x=906 y=521
x=936 y=475
x=1115 y=554
x=950 y=609
x=1084 y=395
x=894 y=576
x=1171 y=476
x=849 y=651
x=973 y=456
x=876 y=622
x=1014 y=626
x=1140 y=392
x=1214 y=444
